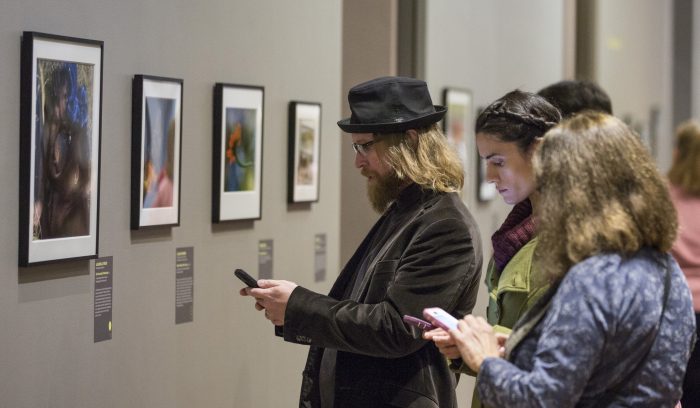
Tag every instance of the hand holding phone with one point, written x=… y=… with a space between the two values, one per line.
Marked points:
x=419 y=323
x=440 y=318
x=246 y=278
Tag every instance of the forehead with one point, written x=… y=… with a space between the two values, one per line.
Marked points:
x=490 y=145
x=360 y=138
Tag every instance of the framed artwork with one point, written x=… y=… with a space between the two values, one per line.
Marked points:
x=304 y=154
x=156 y=137
x=459 y=121
x=60 y=126
x=237 y=153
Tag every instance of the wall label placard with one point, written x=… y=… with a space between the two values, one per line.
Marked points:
x=184 y=285
x=103 y=299
x=320 y=257
x=265 y=247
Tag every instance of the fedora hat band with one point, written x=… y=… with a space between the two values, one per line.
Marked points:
x=393 y=126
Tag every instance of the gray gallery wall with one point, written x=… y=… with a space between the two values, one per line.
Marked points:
x=228 y=355
x=634 y=64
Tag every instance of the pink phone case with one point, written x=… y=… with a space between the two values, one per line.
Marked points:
x=440 y=318
x=419 y=323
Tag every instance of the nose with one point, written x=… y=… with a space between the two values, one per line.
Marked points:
x=360 y=160
x=491 y=173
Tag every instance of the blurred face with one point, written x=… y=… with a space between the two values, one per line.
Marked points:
x=507 y=167
x=382 y=184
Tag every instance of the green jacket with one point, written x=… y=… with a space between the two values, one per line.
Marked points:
x=514 y=290
x=511 y=293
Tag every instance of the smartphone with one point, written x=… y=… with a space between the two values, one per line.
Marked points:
x=440 y=318
x=419 y=323
x=246 y=278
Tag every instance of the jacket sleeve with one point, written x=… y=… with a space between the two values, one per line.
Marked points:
x=436 y=267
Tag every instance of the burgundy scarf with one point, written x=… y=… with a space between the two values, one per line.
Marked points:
x=516 y=231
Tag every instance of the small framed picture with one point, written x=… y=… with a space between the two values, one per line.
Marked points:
x=237 y=153
x=156 y=136
x=459 y=121
x=60 y=126
x=304 y=152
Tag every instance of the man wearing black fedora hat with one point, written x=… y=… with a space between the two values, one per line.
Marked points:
x=423 y=252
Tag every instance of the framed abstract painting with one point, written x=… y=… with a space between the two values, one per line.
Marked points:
x=60 y=128
x=237 y=153
x=156 y=137
x=304 y=154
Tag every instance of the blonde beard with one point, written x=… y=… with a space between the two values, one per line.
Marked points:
x=383 y=191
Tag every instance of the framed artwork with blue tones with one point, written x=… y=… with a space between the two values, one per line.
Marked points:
x=60 y=128
x=156 y=136
x=304 y=154
x=237 y=152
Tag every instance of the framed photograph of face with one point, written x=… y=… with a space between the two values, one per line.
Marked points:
x=237 y=160
x=459 y=121
x=156 y=136
x=304 y=154
x=60 y=127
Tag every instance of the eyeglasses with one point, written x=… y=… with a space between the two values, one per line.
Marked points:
x=363 y=148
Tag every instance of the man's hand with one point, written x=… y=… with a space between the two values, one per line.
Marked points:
x=272 y=296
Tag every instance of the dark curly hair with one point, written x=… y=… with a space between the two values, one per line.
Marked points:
x=518 y=117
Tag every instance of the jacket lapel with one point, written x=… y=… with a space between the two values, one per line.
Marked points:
x=345 y=278
x=403 y=223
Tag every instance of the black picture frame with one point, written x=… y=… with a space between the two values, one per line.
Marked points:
x=60 y=135
x=237 y=152
x=304 y=152
x=156 y=151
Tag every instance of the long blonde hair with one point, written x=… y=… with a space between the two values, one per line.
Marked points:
x=685 y=170
x=600 y=192
x=429 y=160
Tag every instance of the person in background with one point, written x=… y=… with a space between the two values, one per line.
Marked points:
x=684 y=187
x=574 y=96
x=507 y=132
x=617 y=326
x=423 y=251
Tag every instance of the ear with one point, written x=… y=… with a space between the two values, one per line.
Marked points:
x=412 y=137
